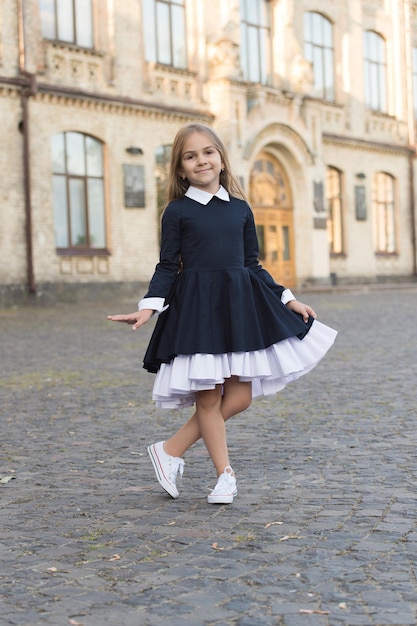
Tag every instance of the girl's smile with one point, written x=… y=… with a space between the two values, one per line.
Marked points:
x=201 y=163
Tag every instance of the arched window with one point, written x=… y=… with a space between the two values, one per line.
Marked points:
x=383 y=202
x=318 y=49
x=67 y=20
x=78 y=192
x=375 y=72
x=255 y=40
x=335 y=206
x=164 y=32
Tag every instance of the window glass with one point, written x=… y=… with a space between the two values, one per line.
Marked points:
x=60 y=211
x=47 y=13
x=65 y=20
x=255 y=40
x=375 y=71
x=251 y=11
x=286 y=256
x=75 y=153
x=335 y=209
x=94 y=154
x=84 y=23
x=178 y=37
x=77 y=212
x=165 y=32
x=78 y=191
x=384 y=212
x=318 y=49
x=96 y=213
x=58 y=153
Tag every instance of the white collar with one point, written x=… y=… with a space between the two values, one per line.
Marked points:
x=204 y=197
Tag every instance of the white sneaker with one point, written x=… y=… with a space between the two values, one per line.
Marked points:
x=166 y=468
x=225 y=489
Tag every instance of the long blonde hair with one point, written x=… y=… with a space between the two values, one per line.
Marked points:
x=176 y=185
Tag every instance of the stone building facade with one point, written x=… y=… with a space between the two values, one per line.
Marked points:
x=315 y=100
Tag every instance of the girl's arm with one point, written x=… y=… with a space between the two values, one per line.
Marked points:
x=136 y=319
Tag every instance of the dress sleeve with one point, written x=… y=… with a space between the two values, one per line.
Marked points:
x=167 y=269
x=252 y=262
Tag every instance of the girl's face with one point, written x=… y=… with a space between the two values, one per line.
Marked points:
x=201 y=162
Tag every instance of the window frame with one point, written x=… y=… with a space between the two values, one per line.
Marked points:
x=335 y=206
x=76 y=18
x=153 y=51
x=325 y=53
x=384 y=214
x=263 y=35
x=375 y=71
x=84 y=248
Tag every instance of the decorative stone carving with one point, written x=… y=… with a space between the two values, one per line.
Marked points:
x=302 y=77
x=223 y=58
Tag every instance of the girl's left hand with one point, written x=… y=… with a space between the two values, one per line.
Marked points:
x=303 y=309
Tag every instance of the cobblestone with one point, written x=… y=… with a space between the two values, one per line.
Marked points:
x=325 y=520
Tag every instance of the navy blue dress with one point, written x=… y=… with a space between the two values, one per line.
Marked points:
x=221 y=300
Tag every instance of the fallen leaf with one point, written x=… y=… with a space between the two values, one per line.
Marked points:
x=314 y=612
x=6 y=479
x=273 y=524
x=115 y=557
x=342 y=605
x=171 y=523
x=52 y=569
x=290 y=537
x=215 y=546
x=74 y=622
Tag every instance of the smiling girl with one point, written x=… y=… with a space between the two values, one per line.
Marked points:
x=226 y=331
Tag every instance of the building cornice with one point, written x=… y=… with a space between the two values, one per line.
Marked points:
x=110 y=100
x=365 y=144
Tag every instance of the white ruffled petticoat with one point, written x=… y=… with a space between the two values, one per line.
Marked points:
x=270 y=370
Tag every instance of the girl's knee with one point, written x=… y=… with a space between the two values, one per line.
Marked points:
x=209 y=399
x=246 y=402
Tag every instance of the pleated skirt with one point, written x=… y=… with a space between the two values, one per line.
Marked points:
x=269 y=369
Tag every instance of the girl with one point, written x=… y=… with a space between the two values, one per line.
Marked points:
x=226 y=332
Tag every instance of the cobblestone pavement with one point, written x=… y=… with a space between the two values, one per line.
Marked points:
x=323 y=531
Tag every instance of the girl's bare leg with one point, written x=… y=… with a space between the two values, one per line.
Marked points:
x=236 y=397
x=212 y=426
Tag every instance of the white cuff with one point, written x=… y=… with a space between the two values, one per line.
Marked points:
x=287 y=296
x=156 y=304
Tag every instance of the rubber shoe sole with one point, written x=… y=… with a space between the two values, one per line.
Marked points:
x=163 y=481
x=221 y=499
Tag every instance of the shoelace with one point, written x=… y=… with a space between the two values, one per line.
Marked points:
x=225 y=481
x=176 y=464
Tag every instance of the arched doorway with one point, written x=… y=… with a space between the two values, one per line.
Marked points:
x=271 y=200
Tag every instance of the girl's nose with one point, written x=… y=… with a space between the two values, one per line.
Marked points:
x=202 y=159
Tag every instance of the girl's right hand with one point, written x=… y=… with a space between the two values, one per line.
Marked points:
x=135 y=319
